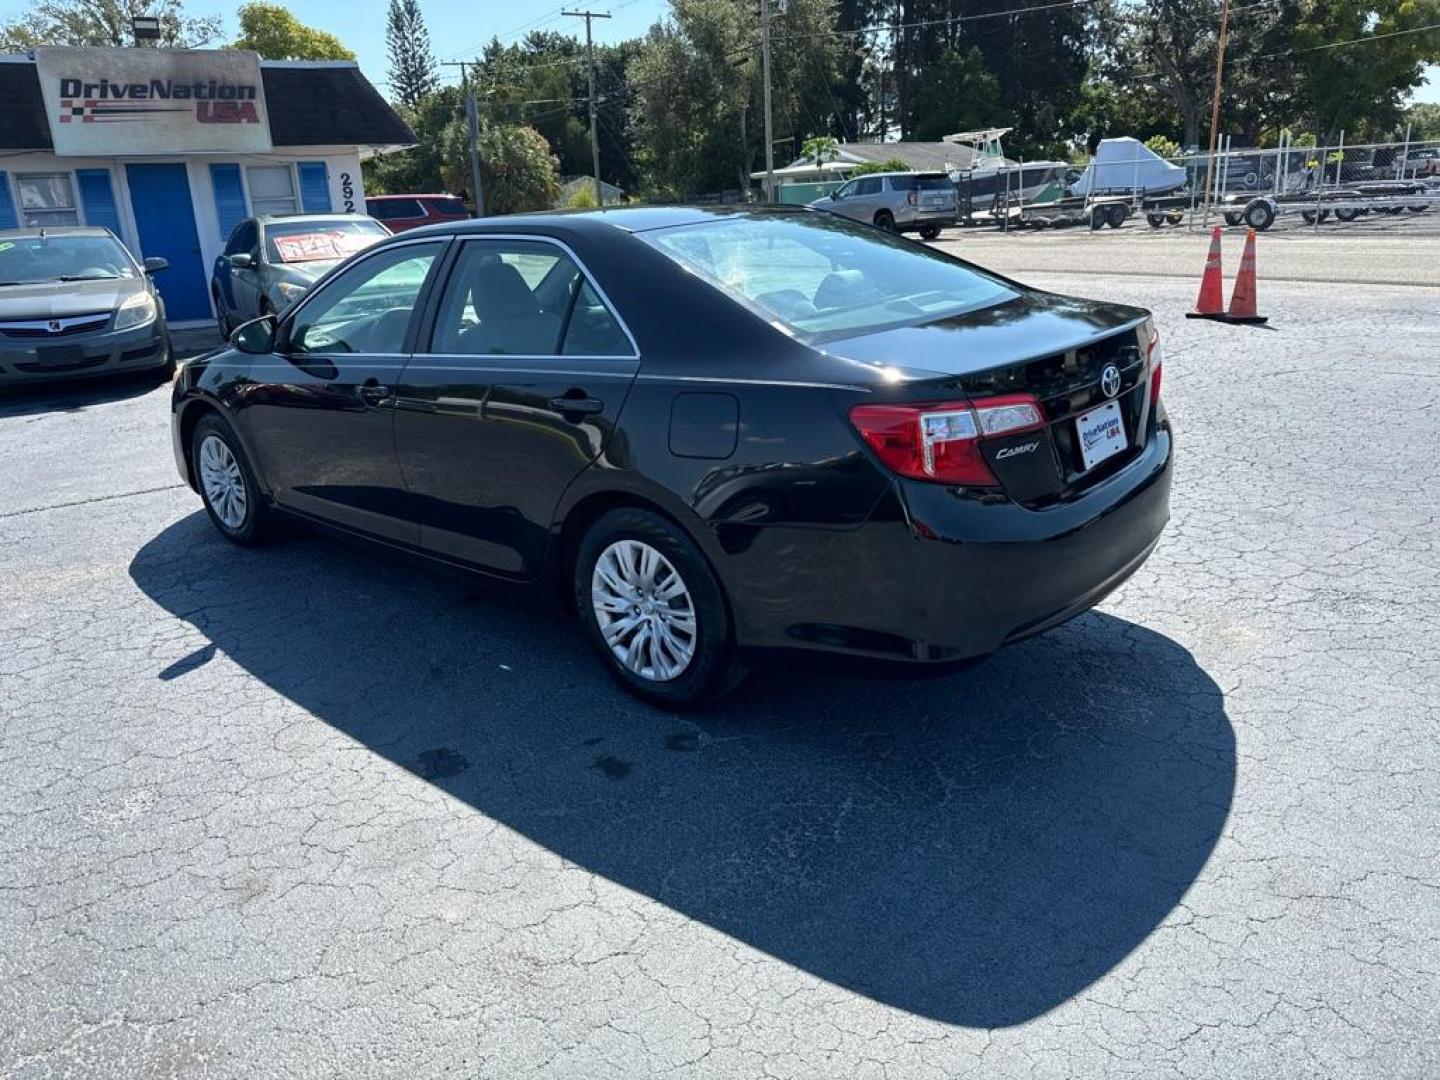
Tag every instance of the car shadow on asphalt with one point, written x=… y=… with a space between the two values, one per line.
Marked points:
x=975 y=849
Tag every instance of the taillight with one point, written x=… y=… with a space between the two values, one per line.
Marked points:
x=941 y=442
x=911 y=198
x=1152 y=352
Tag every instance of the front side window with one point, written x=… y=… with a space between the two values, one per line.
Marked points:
x=869 y=185
x=242 y=240
x=368 y=308
x=272 y=189
x=523 y=298
x=846 y=190
x=47 y=199
x=824 y=276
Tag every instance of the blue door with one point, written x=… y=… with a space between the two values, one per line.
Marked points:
x=165 y=218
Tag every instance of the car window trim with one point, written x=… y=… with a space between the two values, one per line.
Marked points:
x=287 y=324
x=427 y=334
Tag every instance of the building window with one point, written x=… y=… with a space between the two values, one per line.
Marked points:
x=47 y=199
x=272 y=189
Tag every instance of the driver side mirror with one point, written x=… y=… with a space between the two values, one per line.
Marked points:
x=241 y=260
x=155 y=264
x=256 y=336
x=834 y=195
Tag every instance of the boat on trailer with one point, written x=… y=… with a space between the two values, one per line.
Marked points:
x=993 y=179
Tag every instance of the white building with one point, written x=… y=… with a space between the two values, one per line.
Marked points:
x=171 y=148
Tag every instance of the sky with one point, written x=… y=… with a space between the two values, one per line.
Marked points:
x=460 y=28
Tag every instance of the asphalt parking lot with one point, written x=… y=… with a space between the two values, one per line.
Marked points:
x=309 y=811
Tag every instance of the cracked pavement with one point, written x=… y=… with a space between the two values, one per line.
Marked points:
x=312 y=811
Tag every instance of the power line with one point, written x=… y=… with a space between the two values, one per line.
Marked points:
x=1352 y=41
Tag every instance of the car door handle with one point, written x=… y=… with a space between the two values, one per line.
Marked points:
x=372 y=393
x=586 y=405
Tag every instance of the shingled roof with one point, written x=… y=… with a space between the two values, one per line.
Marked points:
x=320 y=103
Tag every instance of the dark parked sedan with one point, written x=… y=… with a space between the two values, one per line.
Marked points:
x=722 y=430
x=73 y=303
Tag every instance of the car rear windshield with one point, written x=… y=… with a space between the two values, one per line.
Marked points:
x=27 y=260
x=937 y=182
x=318 y=239
x=823 y=276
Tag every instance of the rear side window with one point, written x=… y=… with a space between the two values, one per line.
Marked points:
x=451 y=207
x=937 y=182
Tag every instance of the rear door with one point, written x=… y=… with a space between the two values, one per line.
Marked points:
x=516 y=391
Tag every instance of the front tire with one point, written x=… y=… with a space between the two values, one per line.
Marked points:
x=653 y=610
x=227 y=483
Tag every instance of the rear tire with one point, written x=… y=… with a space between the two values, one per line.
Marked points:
x=653 y=610
x=1233 y=218
x=929 y=232
x=885 y=220
x=227 y=484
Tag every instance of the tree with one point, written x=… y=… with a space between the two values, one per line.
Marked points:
x=275 y=34
x=516 y=165
x=412 y=64
x=956 y=93
x=1424 y=121
x=820 y=148
x=890 y=165
x=104 y=22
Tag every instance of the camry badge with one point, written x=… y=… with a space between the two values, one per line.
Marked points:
x=1110 y=380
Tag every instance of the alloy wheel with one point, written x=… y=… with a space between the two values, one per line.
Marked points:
x=644 y=610
x=223 y=482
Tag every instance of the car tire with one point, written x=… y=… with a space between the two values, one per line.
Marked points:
x=687 y=632
x=1259 y=215
x=1234 y=218
x=167 y=366
x=929 y=232
x=885 y=220
x=219 y=464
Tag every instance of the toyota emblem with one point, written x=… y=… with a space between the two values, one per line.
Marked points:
x=56 y=326
x=1110 y=380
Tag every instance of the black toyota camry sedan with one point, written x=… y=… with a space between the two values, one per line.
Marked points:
x=722 y=430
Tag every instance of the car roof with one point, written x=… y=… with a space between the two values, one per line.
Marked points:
x=35 y=231
x=322 y=215
x=629 y=219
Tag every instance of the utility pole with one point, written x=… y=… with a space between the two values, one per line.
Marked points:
x=1215 y=103
x=472 y=124
x=765 y=75
x=590 y=61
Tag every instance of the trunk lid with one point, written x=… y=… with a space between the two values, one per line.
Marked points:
x=1056 y=348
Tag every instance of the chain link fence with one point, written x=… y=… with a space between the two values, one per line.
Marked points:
x=1383 y=187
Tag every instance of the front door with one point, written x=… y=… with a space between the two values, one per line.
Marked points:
x=320 y=411
x=165 y=220
x=516 y=392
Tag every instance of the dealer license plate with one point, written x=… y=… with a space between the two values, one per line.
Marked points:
x=1101 y=433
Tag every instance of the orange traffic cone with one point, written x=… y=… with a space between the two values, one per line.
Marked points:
x=1242 y=300
x=1211 y=302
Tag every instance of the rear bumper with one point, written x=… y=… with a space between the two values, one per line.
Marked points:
x=99 y=354
x=916 y=219
x=934 y=578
